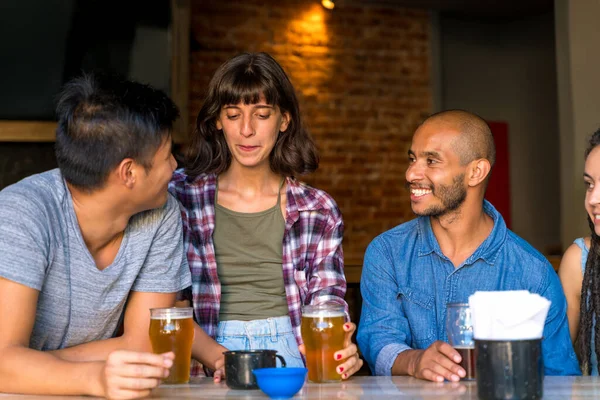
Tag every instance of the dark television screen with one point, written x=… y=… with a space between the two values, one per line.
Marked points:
x=46 y=42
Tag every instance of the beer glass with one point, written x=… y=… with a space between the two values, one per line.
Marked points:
x=459 y=329
x=172 y=329
x=323 y=334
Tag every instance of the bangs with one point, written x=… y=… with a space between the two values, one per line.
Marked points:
x=247 y=88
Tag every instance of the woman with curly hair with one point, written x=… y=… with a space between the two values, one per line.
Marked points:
x=579 y=270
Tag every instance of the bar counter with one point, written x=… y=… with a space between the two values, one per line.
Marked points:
x=364 y=387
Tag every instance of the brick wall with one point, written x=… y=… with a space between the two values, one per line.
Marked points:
x=362 y=76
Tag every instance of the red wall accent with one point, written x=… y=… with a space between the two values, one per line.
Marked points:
x=498 y=191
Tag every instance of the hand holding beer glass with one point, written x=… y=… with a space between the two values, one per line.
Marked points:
x=459 y=329
x=172 y=329
x=323 y=334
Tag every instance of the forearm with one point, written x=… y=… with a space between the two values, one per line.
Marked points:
x=27 y=371
x=205 y=349
x=99 y=350
x=405 y=362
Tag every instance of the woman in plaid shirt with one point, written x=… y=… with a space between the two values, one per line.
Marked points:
x=260 y=244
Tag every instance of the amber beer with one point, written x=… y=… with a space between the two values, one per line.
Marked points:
x=323 y=334
x=172 y=329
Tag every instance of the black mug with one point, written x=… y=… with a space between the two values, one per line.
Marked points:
x=509 y=369
x=239 y=365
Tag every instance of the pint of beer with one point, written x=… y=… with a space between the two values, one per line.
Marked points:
x=323 y=334
x=172 y=329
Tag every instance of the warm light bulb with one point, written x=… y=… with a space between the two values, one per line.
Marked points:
x=328 y=4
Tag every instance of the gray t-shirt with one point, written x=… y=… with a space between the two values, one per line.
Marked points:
x=41 y=247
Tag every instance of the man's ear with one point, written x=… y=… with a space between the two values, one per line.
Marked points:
x=127 y=172
x=478 y=171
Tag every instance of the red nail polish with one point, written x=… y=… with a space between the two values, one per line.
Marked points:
x=338 y=357
x=341 y=369
x=345 y=376
x=347 y=326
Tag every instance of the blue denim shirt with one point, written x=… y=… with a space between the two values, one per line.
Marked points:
x=406 y=283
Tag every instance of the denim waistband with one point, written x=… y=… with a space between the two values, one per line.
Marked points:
x=259 y=327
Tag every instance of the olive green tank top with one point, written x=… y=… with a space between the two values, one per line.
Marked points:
x=249 y=251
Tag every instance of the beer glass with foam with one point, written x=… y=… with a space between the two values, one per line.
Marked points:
x=323 y=334
x=459 y=329
x=172 y=329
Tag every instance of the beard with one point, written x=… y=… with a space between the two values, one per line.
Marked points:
x=451 y=196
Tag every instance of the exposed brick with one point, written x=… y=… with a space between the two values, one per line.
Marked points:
x=362 y=74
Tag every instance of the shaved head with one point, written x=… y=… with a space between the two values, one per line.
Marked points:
x=475 y=140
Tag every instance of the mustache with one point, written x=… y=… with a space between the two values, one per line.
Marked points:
x=408 y=186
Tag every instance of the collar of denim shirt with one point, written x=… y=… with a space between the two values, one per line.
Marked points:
x=488 y=251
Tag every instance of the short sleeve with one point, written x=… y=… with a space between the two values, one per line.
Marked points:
x=165 y=269
x=24 y=239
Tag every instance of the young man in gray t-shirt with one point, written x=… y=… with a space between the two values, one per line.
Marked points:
x=92 y=243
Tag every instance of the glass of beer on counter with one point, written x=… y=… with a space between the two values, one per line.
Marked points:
x=459 y=329
x=172 y=329
x=323 y=334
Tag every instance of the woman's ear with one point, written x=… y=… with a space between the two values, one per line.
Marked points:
x=285 y=121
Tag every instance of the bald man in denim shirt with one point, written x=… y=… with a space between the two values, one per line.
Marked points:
x=458 y=244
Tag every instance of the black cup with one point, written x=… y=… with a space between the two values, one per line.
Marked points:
x=240 y=364
x=509 y=369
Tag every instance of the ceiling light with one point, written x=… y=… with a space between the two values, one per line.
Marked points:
x=328 y=4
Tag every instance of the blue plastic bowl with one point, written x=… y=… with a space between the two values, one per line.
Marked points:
x=280 y=383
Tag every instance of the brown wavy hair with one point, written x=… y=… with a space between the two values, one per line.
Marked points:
x=589 y=310
x=245 y=78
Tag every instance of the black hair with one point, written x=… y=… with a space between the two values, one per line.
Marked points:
x=103 y=119
x=590 y=291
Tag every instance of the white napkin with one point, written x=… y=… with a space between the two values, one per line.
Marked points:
x=508 y=315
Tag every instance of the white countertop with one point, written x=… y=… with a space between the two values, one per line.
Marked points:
x=364 y=387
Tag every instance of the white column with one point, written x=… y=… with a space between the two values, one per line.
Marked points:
x=578 y=66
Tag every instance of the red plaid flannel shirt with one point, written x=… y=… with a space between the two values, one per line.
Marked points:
x=313 y=261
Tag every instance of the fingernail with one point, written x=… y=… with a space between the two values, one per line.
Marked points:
x=166 y=373
x=338 y=356
x=168 y=362
x=347 y=326
x=344 y=376
x=341 y=369
x=457 y=359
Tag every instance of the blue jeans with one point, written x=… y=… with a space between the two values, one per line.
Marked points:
x=271 y=334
